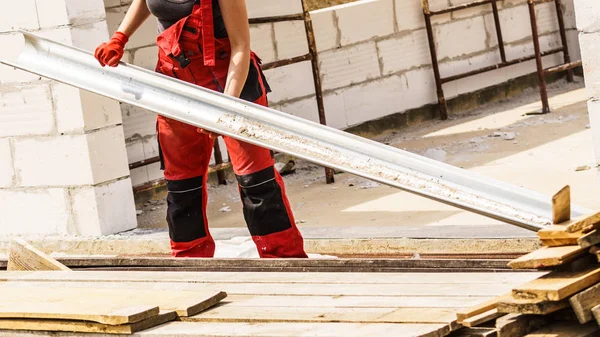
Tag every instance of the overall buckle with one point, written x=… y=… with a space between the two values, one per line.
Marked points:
x=182 y=59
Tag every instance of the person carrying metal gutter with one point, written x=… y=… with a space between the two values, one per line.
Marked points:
x=207 y=43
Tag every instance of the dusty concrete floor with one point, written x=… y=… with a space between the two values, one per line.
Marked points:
x=543 y=156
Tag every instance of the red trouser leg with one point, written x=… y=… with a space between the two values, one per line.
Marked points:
x=267 y=210
x=186 y=156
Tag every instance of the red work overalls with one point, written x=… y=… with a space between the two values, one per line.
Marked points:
x=189 y=51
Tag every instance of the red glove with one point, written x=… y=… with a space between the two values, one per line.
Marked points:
x=110 y=53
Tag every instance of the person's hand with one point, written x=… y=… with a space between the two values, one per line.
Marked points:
x=110 y=53
x=210 y=134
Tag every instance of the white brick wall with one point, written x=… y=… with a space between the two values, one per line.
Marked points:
x=26 y=110
x=350 y=65
x=7 y=172
x=459 y=38
x=278 y=77
x=97 y=210
x=357 y=24
x=56 y=139
x=587 y=18
x=404 y=52
x=326 y=32
x=262 y=41
x=23 y=16
x=291 y=39
x=34 y=211
x=79 y=110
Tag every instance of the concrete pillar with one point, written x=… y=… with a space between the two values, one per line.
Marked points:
x=63 y=163
x=587 y=13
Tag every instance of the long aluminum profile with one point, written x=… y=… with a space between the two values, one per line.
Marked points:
x=285 y=133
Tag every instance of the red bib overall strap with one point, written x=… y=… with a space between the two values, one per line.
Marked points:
x=208 y=32
x=201 y=17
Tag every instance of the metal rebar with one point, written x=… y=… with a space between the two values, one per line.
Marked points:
x=538 y=57
x=312 y=47
x=563 y=67
x=144 y=162
x=498 y=31
x=281 y=18
x=287 y=62
x=498 y=66
x=436 y=67
x=279 y=131
x=563 y=38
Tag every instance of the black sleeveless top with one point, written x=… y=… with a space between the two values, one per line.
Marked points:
x=168 y=12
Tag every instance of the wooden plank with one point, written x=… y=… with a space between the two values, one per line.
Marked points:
x=558 y=232
x=86 y=327
x=101 y=312
x=24 y=257
x=559 y=242
x=548 y=257
x=590 y=239
x=476 y=332
x=596 y=313
x=281 y=277
x=583 y=302
x=481 y=308
x=535 y=307
x=561 y=205
x=183 y=329
x=324 y=289
x=482 y=318
x=582 y=222
x=184 y=303
x=566 y=329
x=353 y=301
x=517 y=325
x=227 y=313
x=558 y=285
x=164 y=264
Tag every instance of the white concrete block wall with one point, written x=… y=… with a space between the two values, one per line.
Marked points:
x=370 y=52
x=56 y=139
x=588 y=24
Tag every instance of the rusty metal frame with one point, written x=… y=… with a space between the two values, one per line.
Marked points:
x=564 y=48
x=312 y=56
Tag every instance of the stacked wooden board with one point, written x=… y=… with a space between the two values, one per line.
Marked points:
x=288 y=303
x=566 y=298
x=30 y=306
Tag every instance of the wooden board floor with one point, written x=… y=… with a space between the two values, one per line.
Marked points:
x=299 y=304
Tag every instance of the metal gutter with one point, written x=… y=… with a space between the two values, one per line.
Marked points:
x=285 y=133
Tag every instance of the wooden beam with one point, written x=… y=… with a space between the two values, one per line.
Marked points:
x=561 y=206
x=558 y=285
x=548 y=257
x=86 y=327
x=583 y=222
x=558 y=232
x=184 y=303
x=531 y=307
x=566 y=329
x=24 y=257
x=482 y=308
x=476 y=332
x=518 y=325
x=596 y=313
x=482 y=318
x=583 y=303
x=558 y=242
x=590 y=239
